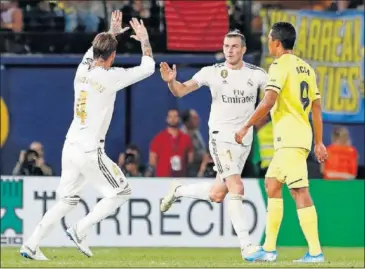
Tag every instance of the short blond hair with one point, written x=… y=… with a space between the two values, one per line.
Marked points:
x=237 y=33
x=341 y=134
x=104 y=44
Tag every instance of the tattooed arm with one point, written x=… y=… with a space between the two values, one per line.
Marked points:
x=123 y=77
x=141 y=35
x=146 y=48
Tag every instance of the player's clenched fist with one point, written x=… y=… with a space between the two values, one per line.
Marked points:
x=167 y=74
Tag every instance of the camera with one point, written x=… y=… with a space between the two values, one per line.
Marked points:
x=209 y=170
x=130 y=159
x=30 y=157
x=29 y=165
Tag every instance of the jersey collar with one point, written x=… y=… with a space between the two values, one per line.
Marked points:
x=242 y=67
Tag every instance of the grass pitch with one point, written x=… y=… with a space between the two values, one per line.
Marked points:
x=176 y=257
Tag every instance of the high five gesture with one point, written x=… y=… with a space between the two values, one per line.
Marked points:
x=116 y=23
x=141 y=35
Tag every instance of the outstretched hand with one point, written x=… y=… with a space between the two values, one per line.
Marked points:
x=139 y=29
x=116 y=23
x=167 y=74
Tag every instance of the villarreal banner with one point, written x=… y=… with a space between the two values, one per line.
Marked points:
x=333 y=43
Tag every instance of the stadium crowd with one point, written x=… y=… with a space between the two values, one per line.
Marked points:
x=26 y=27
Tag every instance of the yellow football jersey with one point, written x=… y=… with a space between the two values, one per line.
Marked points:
x=295 y=82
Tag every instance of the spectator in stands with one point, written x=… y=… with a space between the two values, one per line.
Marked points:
x=342 y=162
x=70 y=14
x=137 y=159
x=131 y=166
x=137 y=9
x=112 y=5
x=83 y=15
x=43 y=16
x=12 y=22
x=11 y=16
x=31 y=162
x=350 y=4
x=190 y=120
x=88 y=16
x=171 y=150
x=207 y=167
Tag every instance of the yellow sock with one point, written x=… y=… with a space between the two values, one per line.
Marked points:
x=273 y=220
x=309 y=223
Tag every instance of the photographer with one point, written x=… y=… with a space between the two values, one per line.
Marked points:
x=31 y=162
x=130 y=168
x=134 y=150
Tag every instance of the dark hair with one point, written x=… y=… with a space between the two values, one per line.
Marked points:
x=237 y=33
x=173 y=109
x=133 y=147
x=104 y=45
x=185 y=115
x=285 y=33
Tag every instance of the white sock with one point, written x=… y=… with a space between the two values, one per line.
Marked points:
x=104 y=208
x=195 y=191
x=52 y=216
x=235 y=212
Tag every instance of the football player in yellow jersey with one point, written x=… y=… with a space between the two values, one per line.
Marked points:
x=291 y=94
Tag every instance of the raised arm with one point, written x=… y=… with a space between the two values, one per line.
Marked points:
x=123 y=77
x=141 y=35
x=115 y=28
x=177 y=88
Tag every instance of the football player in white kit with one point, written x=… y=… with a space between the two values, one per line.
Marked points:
x=83 y=157
x=234 y=85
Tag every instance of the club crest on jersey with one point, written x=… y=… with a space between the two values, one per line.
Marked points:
x=115 y=170
x=224 y=73
x=250 y=82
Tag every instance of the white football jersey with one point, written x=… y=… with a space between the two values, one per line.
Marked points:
x=234 y=95
x=94 y=96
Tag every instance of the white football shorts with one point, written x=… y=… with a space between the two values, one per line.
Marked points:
x=229 y=157
x=80 y=167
